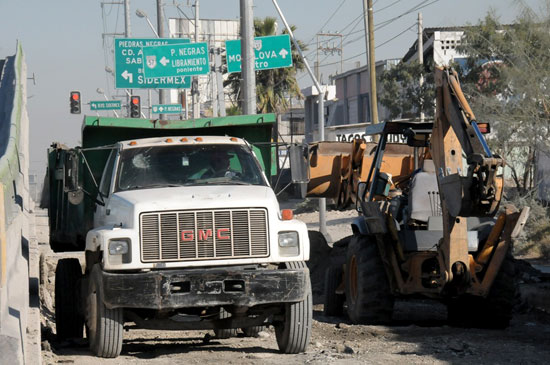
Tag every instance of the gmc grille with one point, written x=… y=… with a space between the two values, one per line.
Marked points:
x=202 y=235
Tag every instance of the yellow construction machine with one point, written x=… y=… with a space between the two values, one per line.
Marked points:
x=429 y=224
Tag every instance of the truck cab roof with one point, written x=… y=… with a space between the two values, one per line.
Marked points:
x=180 y=140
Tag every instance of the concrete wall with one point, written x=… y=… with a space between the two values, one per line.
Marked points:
x=14 y=209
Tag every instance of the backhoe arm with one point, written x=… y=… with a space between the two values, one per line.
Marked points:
x=478 y=192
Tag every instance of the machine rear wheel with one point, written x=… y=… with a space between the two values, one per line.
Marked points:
x=495 y=311
x=368 y=295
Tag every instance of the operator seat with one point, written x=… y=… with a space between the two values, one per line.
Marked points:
x=424 y=194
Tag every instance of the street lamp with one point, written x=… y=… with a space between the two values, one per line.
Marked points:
x=142 y=14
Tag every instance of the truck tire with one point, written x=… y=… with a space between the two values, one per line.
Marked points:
x=368 y=296
x=253 y=331
x=225 y=332
x=294 y=332
x=334 y=303
x=68 y=320
x=104 y=325
x=494 y=311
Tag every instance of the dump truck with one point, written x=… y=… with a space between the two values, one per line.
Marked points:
x=430 y=223
x=180 y=230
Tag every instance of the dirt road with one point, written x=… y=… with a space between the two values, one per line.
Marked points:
x=418 y=336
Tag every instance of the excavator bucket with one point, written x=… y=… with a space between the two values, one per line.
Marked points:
x=329 y=163
x=335 y=168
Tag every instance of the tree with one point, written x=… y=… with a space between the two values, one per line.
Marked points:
x=507 y=82
x=401 y=92
x=273 y=87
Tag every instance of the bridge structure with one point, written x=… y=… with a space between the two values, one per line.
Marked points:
x=19 y=303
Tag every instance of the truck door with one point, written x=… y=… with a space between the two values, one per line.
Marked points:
x=102 y=211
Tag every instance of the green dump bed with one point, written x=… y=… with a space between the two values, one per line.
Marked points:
x=69 y=223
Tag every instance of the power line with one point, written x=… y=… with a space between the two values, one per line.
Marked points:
x=380 y=45
x=327 y=21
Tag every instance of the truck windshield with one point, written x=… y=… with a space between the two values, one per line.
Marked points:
x=187 y=165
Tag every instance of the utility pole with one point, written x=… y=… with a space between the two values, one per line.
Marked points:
x=327 y=48
x=127 y=34
x=195 y=85
x=421 y=60
x=219 y=80
x=369 y=38
x=212 y=76
x=160 y=31
x=248 y=58
x=127 y=18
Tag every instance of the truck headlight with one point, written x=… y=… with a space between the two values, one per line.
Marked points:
x=118 y=247
x=289 y=244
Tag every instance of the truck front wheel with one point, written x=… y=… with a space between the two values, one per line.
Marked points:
x=68 y=320
x=105 y=325
x=294 y=332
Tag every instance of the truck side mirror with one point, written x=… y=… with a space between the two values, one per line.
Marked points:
x=71 y=179
x=298 y=163
x=361 y=189
x=298 y=155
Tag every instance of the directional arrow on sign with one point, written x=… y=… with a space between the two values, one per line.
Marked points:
x=127 y=75
x=275 y=52
x=164 y=61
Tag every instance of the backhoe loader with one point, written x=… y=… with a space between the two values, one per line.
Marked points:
x=430 y=222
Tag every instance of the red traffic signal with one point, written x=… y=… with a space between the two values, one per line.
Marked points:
x=75 y=106
x=135 y=107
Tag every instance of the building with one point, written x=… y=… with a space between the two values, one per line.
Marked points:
x=439 y=47
x=347 y=105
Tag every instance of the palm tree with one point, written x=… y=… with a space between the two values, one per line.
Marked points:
x=273 y=87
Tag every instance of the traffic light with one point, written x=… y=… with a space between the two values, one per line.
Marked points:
x=75 y=102
x=135 y=107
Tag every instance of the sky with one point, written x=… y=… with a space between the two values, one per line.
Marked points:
x=65 y=50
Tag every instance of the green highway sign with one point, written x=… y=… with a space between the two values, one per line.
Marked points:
x=167 y=108
x=129 y=65
x=105 y=105
x=270 y=52
x=176 y=60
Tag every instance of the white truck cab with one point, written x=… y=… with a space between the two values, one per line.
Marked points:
x=188 y=234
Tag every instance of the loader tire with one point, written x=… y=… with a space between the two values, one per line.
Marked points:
x=368 y=296
x=494 y=311
x=334 y=303
x=69 y=323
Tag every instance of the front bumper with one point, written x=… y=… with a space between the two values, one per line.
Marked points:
x=171 y=289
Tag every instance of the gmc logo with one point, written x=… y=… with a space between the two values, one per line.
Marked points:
x=205 y=234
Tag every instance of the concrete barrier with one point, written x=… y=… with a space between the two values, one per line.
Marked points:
x=14 y=210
